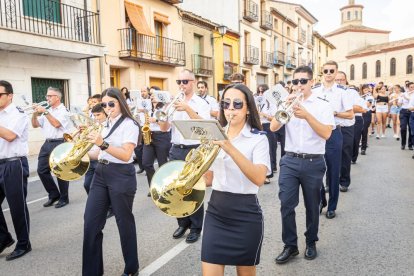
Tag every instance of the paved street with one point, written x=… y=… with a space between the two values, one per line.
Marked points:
x=371 y=235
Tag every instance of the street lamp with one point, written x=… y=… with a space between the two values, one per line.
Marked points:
x=222 y=30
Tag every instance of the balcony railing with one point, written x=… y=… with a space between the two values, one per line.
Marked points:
x=291 y=62
x=302 y=36
x=266 y=22
x=278 y=58
x=251 y=55
x=267 y=59
x=50 y=18
x=251 y=11
x=151 y=49
x=202 y=65
x=229 y=69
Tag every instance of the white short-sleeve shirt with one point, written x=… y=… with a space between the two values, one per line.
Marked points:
x=62 y=115
x=227 y=175
x=126 y=132
x=405 y=99
x=203 y=110
x=211 y=101
x=16 y=121
x=266 y=107
x=300 y=137
x=357 y=100
x=337 y=98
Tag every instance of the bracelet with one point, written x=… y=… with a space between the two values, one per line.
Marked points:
x=104 y=145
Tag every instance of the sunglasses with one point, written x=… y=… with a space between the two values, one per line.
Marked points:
x=325 y=71
x=301 y=81
x=237 y=103
x=182 y=81
x=110 y=104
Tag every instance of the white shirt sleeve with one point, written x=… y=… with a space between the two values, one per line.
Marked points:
x=214 y=104
x=62 y=117
x=41 y=120
x=411 y=102
x=17 y=124
x=347 y=101
x=326 y=115
x=261 y=153
x=130 y=132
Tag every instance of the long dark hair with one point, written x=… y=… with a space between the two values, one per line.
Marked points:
x=253 y=116
x=116 y=94
x=127 y=94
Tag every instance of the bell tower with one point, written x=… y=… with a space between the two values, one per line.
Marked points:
x=351 y=14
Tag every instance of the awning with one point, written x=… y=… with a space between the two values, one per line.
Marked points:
x=161 y=18
x=137 y=18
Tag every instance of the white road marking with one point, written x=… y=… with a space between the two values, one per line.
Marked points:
x=30 y=202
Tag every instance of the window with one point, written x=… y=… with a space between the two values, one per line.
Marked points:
x=227 y=52
x=275 y=26
x=48 y=10
x=40 y=86
x=392 y=67
x=364 y=70
x=348 y=16
x=356 y=14
x=114 y=77
x=288 y=32
x=378 y=69
x=352 y=72
x=409 y=64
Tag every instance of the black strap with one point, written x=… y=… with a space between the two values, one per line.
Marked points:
x=115 y=126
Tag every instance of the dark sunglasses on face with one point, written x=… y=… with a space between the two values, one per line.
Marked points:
x=325 y=71
x=301 y=81
x=237 y=104
x=110 y=104
x=182 y=81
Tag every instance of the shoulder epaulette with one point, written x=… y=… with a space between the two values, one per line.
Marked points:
x=256 y=131
x=341 y=86
x=316 y=85
x=20 y=109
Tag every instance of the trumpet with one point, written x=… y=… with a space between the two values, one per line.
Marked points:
x=170 y=108
x=285 y=110
x=30 y=108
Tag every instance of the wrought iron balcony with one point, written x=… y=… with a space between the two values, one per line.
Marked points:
x=251 y=55
x=229 y=69
x=251 y=11
x=202 y=65
x=267 y=59
x=302 y=36
x=278 y=58
x=151 y=49
x=50 y=18
x=173 y=1
x=291 y=62
x=266 y=22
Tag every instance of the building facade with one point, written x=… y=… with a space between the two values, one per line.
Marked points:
x=49 y=43
x=322 y=52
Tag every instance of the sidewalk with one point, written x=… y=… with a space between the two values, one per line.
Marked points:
x=32 y=159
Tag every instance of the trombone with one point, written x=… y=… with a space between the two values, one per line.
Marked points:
x=163 y=115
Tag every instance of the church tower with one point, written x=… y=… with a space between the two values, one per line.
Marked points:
x=351 y=14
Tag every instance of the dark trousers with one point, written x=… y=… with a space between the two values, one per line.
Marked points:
x=367 y=122
x=404 y=123
x=115 y=185
x=13 y=187
x=358 y=127
x=272 y=145
x=89 y=175
x=195 y=221
x=43 y=170
x=307 y=173
x=159 y=148
x=411 y=124
x=333 y=157
x=347 y=151
x=138 y=155
x=280 y=137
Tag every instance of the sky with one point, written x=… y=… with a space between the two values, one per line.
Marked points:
x=392 y=15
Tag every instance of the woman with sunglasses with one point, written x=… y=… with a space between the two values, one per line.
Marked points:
x=233 y=227
x=114 y=184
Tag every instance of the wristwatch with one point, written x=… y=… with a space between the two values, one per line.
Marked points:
x=335 y=113
x=46 y=112
x=104 y=145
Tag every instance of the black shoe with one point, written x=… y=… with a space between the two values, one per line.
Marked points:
x=343 y=189
x=17 y=253
x=310 y=252
x=403 y=147
x=388 y=126
x=140 y=171
x=287 y=253
x=330 y=214
x=321 y=206
x=412 y=157
x=192 y=237
x=50 y=202
x=363 y=152
x=62 y=203
x=6 y=244
x=353 y=162
x=179 y=232
x=131 y=274
x=410 y=148
x=149 y=194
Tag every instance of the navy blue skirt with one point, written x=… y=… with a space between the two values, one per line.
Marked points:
x=233 y=230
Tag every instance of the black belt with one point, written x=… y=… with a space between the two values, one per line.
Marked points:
x=55 y=140
x=303 y=155
x=338 y=126
x=4 y=160
x=159 y=132
x=185 y=146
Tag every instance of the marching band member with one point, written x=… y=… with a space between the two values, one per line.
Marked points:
x=233 y=228
x=369 y=101
x=114 y=183
x=203 y=93
x=14 y=170
x=303 y=164
x=192 y=107
x=54 y=123
x=405 y=117
x=342 y=107
x=160 y=141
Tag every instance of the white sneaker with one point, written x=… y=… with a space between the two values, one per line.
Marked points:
x=377 y=137
x=395 y=136
x=383 y=136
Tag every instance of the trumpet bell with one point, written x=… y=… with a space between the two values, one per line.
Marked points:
x=282 y=116
x=172 y=198
x=67 y=169
x=161 y=116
